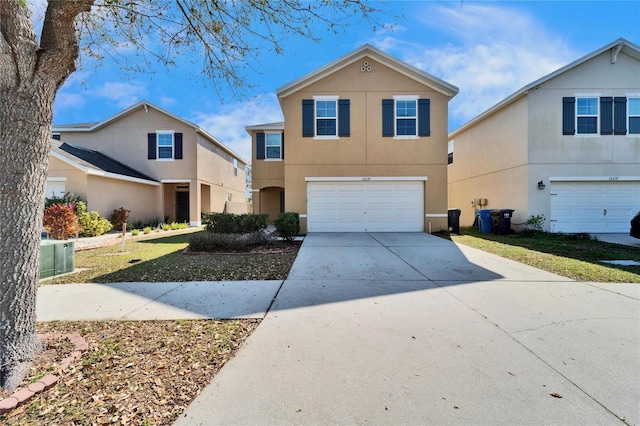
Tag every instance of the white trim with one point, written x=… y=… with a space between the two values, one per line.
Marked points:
x=436 y=215
x=363 y=178
x=630 y=96
x=303 y=215
x=397 y=98
x=266 y=146
x=194 y=223
x=594 y=179
x=56 y=179
x=326 y=98
x=595 y=96
x=406 y=97
x=175 y=180
x=333 y=98
x=255 y=190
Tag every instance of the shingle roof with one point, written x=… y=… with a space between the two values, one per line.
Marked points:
x=100 y=161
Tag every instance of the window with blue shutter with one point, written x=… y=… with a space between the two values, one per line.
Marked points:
x=344 y=119
x=308 y=118
x=587 y=116
x=424 y=117
x=387 y=118
x=273 y=144
x=282 y=145
x=606 y=116
x=569 y=116
x=620 y=115
x=260 y=148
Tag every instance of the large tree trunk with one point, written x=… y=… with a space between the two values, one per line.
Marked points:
x=30 y=75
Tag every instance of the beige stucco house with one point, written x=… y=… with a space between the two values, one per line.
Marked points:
x=149 y=161
x=366 y=148
x=566 y=146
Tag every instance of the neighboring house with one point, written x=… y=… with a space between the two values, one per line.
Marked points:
x=363 y=148
x=149 y=161
x=566 y=146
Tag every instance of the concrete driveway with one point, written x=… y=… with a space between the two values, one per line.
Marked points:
x=414 y=329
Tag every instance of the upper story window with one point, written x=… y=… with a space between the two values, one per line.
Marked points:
x=165 y=145
x=406 y=116
x=273 y=146
x=587 y=115
x=633 y=104
x=450 y=152
x=235 y=167
x=326 y=117
x=270 y=146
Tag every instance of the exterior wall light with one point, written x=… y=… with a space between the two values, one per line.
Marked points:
x=541 y=185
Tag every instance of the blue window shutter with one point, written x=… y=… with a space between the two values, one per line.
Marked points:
x=424 y=117
x=344 y=118
x=620 y=116
x=177 y=140
x=282 y=146
x=569 y=116
x=606 y=116
x=151 y=146
x=387 y=118
x=307 y=118
x=260 y=146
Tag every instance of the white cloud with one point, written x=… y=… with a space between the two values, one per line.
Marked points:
x=66 y=100
x=228 y=124
x=497 y=51
x=122 y=94
x=166 y=101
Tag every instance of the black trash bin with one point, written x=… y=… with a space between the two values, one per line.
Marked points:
x=502 y=221
x=454 y=220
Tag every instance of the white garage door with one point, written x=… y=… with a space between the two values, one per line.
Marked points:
x=370 y=206
x=55 y=188
x=593 y=206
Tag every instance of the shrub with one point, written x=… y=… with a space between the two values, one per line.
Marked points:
x=288 y=225
x=147 y=230
x=212 y=242
x=119 y=216
x=535 y=223
x=93 y=225
x=135 y=224
x=135 y=232
x=166 y=227
x=67 y=198
x=228 y=223
x=60 y=221
x=154 y=222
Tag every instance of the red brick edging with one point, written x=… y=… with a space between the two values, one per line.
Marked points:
x=22 y=395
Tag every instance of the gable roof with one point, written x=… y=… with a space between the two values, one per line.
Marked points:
x=378 y=55
x=91 y=127
x=267 y=126
x=615 y=47
x=95 y=163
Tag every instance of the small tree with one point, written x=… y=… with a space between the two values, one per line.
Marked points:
x=60 y=221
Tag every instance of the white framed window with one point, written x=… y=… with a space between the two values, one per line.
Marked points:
x=273 y=146
x=450 y=152
x=406 y=116
x=326 y=116
x=587 y=115
x=235 y=167
x=165 y=144
x=633 y=115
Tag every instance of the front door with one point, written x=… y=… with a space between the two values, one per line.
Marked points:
x=182 y=206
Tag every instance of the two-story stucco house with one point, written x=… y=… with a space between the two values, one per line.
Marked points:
x=149 y=161
x=566 y=146
x=365 y=150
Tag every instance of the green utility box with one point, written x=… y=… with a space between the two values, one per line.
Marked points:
x=56 y=257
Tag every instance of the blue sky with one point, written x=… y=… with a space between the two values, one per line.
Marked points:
x=488 y=49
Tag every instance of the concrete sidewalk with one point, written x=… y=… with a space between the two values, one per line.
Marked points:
x=413 y=329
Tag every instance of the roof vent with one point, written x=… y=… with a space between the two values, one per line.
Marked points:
x=365 y=67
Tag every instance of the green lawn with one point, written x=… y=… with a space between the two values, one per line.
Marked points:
x=162 y=260
x=573 y=256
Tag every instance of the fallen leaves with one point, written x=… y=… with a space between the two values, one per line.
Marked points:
x=134 y=371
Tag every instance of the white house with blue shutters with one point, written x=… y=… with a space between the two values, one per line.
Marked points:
x=566 y=146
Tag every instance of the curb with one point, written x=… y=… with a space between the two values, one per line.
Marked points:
x=22 y=395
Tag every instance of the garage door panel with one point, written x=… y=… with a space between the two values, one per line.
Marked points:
x=593 y=206
x=365 y=206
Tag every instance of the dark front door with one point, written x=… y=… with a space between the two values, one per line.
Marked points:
x=182 y=207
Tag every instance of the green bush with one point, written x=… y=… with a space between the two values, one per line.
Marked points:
x=166 y=227
x=91 y=223
x=67 y=199
x=228 y=223
x=288 y=225
x=215 y=242
x=147 y=230
x=177 y=225
x=135 y=232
